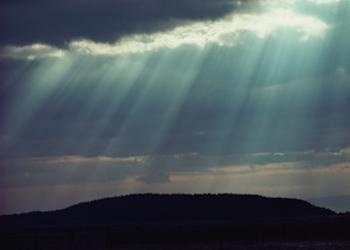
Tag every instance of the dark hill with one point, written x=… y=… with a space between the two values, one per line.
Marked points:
x=163 y=208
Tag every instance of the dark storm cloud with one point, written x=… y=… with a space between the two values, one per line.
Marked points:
x=57 y=22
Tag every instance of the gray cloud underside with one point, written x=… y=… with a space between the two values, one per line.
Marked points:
x=43 y=171
x=59 y=22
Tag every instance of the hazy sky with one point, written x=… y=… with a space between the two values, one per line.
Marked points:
x=100 y=98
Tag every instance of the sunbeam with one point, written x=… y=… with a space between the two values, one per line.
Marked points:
x=252 y=98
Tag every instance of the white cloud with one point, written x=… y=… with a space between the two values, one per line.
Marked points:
x=225 y=32
x=33 y=51
x=228 y=31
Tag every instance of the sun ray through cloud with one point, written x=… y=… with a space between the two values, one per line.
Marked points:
x=233 y=96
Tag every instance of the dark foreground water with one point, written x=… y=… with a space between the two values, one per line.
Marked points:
x=250 y=246
x=319 y=233
x=90 y=244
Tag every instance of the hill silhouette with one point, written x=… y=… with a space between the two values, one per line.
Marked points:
x=179 y=221
x=140 y=208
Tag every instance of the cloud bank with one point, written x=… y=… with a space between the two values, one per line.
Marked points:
x=57 y=22
x=151 y=169
x=228 y=31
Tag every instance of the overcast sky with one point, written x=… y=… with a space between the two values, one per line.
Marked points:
x=100 y=98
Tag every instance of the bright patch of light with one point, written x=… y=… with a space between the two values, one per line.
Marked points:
x=325 y=1
x=292 y=2
x=96 y=160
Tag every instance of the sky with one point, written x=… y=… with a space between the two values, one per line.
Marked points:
x=101 y=98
